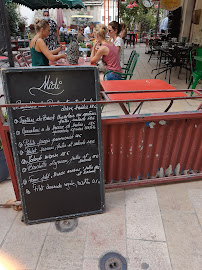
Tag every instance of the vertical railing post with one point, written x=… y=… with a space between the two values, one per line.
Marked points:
x=6 y=31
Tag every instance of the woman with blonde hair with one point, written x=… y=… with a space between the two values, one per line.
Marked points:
x=107 y=51
x=39 y=51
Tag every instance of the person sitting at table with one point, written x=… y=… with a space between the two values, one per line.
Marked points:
x=114 y=28
x=107 y=51
x=39 y=51
x=164 y=25
x=80 y=36
x=63 y=30
x=87 y=31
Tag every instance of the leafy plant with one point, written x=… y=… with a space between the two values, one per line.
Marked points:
x=13 y=17
x=22 y=21
x=82 y=45
x=31 y=27
x=145 y=16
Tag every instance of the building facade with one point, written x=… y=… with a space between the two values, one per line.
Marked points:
x=103 y=11
x=191 y=27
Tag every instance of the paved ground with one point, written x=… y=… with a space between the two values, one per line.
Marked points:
x=155 y=228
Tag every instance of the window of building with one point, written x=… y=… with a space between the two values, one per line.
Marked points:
x=110 y=18
x=91 y=7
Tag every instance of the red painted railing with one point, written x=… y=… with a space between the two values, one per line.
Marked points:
x=139 y=149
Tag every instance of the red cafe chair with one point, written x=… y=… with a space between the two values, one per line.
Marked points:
x=20 y=60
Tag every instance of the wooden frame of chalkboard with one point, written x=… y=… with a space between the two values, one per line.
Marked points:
x=57 y=149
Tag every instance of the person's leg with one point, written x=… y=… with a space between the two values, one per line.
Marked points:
x=112 y=76
x=101 y=75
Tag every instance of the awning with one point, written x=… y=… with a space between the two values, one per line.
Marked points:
x=41 y=4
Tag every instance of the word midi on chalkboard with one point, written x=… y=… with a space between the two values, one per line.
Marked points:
x=57 y=149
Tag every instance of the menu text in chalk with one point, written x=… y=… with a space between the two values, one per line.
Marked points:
x=57 y=148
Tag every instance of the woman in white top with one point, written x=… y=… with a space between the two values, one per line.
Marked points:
x=114 y=28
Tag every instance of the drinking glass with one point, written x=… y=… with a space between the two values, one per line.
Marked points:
x=84 y=56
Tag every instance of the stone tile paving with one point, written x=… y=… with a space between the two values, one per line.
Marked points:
x=157 y=228
x=147 y=225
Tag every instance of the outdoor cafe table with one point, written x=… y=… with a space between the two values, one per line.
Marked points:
x=64 y=62
x=140 y=85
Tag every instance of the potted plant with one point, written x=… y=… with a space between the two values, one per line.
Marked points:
x=31 y=32
x=4 y=173
x=32 y=28
x=22 y=24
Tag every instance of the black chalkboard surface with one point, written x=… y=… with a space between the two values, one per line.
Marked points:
x=57 y=149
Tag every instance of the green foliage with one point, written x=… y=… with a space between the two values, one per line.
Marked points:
x=13 y=17
x=22 y=22
x=145 y=16
x=82 y=45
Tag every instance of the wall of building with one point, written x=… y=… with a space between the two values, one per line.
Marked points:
x=188 y=29
x=187 y=10
x=95 y=9
x=113 y=12
x=197 y=28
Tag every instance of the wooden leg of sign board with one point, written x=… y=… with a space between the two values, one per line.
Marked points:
x=12 y=203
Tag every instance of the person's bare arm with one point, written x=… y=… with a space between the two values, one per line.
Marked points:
x=56 y=51
x=95 y=56
x=91 y=35
x=44 y=49
x=118 y=48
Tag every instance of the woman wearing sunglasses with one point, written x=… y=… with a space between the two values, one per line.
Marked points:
x=107 y=51
x=114 y=28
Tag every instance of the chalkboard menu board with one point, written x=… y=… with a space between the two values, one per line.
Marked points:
x=57 y=149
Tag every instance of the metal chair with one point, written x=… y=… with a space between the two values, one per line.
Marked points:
x=128 y=64
x=127 y=75
x=185 y=62
x=20 y=60
x=175 y=57
x=130 y=39
x=197 y=69
x=28 y=58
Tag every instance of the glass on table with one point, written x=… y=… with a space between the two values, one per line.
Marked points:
x=84 y=56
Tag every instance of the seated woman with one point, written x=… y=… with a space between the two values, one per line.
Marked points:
x=107 y=51
x=123 y=32
x=114 y=28
x=39 y=51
